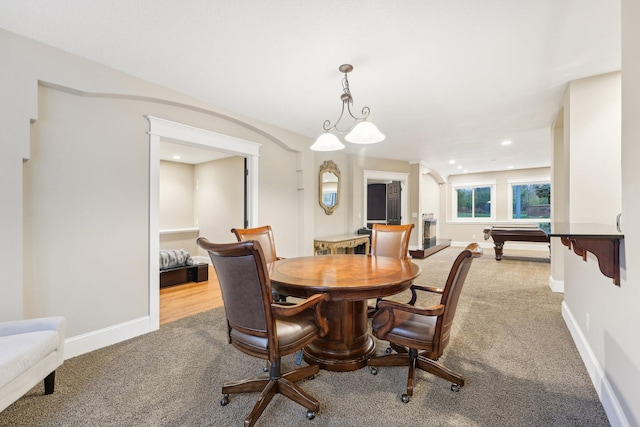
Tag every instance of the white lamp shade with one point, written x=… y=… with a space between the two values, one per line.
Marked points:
x=364 y=133
x=327 y=142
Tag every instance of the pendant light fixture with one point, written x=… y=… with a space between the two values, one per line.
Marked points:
x=361 y=130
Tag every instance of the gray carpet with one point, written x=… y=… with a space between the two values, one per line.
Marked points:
x=509 y=341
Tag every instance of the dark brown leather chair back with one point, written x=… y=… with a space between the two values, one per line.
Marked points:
x=451 y=295
x=419 y=335
x=264 y=235
x=262 y=328
x=240 y=269
x=391 y=240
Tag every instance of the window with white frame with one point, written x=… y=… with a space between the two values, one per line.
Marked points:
x=530 y=199
x=473 y=201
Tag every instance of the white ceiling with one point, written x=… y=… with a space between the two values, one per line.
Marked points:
x=445 y=80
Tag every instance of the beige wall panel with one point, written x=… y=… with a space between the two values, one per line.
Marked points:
x=87 y=212
x=176 y=195
x=219 y=199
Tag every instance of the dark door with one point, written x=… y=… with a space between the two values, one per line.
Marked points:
x=393 y=203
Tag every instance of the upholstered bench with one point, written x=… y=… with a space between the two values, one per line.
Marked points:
x=177 y=266
x=30 y=351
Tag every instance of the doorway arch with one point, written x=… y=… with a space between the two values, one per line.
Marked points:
x=166 y=130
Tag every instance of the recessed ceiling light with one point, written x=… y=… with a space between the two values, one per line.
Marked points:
x=459 y=166
x=451 y=161
x=465 y=171
x=509 y=167
x=506 y=142
x=176 y=157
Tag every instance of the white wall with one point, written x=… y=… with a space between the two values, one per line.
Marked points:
x=176 y=195
x=219 y=199
x=471 y=231
x=208 y=197
x=594 y=189
x=86 y=212
x=601 y=130
x=86 y=216
x=594 y=149
x=559 y=198
x=429 y=203
x=430 y=195
x=287 y=193
x=620 y=320
x=176 y=208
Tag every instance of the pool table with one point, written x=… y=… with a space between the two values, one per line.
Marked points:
x=501 y=234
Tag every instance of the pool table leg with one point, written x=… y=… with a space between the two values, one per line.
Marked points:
x=498 y=248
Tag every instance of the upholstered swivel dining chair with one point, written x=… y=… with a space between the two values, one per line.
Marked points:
x=390 y=241
x=262 y=328
x=420 y=335
x=264 y=235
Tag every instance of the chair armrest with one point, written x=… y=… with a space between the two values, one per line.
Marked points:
x=435 y=310
x=313 y=301
x=288 y=310
x=390 y=307
x=414 y=295
x=428 y=289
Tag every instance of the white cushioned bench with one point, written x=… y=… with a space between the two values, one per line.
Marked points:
x=30 y=351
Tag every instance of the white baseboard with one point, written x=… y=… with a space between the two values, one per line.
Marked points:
x=556 y=285
x=598 y=378
x=84 y=343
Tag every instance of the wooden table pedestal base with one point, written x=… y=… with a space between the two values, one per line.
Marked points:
x=348 y=344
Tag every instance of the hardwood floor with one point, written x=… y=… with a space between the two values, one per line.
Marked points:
x=190 y=298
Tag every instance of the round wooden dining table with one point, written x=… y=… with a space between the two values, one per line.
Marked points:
x=349 y=280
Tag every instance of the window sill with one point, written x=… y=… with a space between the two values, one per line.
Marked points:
x=179 y=230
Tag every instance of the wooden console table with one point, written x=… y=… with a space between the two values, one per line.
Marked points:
x=348 y=242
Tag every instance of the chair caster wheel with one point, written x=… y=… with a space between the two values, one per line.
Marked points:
x=311 y=415
x=374 y=371
x=405 y=398
x=312 y=377
x=455 y=387
x=388 y=350
x=225 y=400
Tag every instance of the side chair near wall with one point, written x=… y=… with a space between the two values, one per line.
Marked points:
x=391 y=241
x=264 y=235
x=420 y=335
x=262 y=328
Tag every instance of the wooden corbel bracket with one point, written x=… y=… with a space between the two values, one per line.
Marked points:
x=606 y=250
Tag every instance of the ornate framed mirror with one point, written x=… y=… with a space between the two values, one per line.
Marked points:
x=329 y=186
